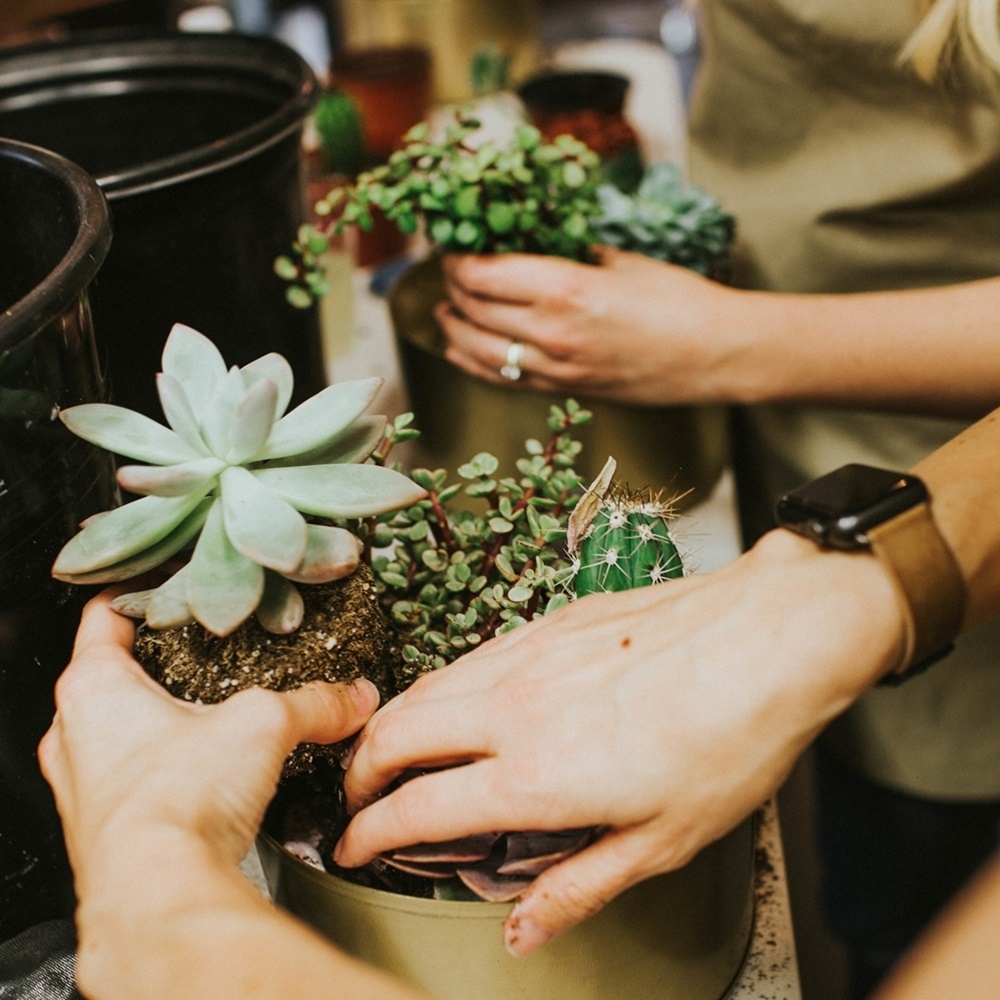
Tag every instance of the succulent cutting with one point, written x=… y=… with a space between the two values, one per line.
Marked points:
x=244 y=483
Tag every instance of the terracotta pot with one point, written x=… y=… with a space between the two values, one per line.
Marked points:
x=682 y=449
x=680 y=936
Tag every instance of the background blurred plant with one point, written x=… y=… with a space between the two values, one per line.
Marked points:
x=669 y=219
x=528 y=196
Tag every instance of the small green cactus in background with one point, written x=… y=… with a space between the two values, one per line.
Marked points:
x=620 y=538
x=341 y=132
x=238 y=479
x=667 y=219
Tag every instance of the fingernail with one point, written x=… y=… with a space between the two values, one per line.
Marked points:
x=347 y=756
x=366 y=696
x=521 y=935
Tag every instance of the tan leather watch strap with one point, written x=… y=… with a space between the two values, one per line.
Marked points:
x=929 y=581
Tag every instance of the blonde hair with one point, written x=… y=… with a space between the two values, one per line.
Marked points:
x=969 y=27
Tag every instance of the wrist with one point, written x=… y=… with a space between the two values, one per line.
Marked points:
x=850 y=601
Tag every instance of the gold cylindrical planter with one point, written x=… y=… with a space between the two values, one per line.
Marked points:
x=452 y=30
x=681 y=449
x=679 y=936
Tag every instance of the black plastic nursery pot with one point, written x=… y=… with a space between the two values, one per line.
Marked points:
x=54 y=234
x=195 y=139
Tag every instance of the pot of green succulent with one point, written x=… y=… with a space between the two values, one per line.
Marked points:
x=536 y=197
x=292 y=530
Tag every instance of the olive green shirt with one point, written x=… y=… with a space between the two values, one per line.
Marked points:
x=847 y=173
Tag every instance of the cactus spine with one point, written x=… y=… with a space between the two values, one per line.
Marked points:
x=620 y=538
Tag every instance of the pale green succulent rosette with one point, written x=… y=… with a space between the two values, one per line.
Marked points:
x=238 y=478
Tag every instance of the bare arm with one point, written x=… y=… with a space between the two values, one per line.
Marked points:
x=160 y=800
x=958 y=957
x=637 y=330
x=666 y=713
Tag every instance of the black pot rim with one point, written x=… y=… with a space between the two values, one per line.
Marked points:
x=112 y=61
x=83 y=258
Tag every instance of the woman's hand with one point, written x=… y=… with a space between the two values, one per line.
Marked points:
x=128 y=762
x=630 y=328
x=665 y=714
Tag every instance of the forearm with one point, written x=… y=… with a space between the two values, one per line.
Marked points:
x=958 y=957
x=170 y=920
x=931 y=351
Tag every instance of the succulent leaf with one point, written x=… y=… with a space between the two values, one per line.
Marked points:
x=150 y=557
x=353 y=445
x=274 y=367
x=168 y=605
x=259 y=523
x=179 y=413
x=196 y=363
x=281 y=609
x=218 y=415
x=340 y=491
x=331 y=554
x=122 y=533
x=223 y=586
x=321 y=418
x=171 y=480
x=127 y=433
x=252 y=421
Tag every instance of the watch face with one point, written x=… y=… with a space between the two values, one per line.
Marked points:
x=838 y=509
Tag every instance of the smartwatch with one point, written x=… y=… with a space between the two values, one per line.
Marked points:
x=861 y=508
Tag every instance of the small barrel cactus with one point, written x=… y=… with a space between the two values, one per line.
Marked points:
x=241 y=481
x=339 y=125
x=620 y=538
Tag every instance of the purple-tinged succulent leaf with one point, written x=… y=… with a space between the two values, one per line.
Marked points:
x=122 y=533
x=331 y=554
x=337 y=491
x=281 y=609
x=224 y=587
x=321 y=418
x=305 y=853
x=171 y=480
x=531 y=853
x=274 y=367
x=261 y=525
x=195 y=362
x=125 y=432
x=463 y=850
x=252 y=421
x=493 y=888
x=423 y=869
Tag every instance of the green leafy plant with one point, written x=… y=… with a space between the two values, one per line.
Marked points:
x=238 y=479
x=529 y=196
